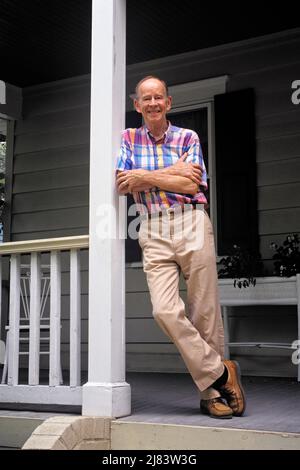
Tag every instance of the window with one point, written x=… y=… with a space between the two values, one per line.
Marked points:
x=198 y=120
x=196 y=100
x=235 y=164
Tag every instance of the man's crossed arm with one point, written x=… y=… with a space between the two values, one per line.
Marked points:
x=181 y=177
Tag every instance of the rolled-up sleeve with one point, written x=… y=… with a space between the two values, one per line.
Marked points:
x=124 y=159
x=195 y=155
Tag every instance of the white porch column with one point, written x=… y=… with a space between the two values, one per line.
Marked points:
x=106 y=393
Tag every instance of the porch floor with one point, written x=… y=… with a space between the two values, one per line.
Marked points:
x=273 y=404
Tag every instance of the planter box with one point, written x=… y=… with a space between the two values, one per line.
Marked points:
x=267 y=291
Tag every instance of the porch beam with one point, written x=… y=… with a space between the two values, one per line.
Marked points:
x=106 y=393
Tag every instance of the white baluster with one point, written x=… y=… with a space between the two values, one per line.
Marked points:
x=75 y=318
x=55 y=318
x=34 y=315
x=14 y=321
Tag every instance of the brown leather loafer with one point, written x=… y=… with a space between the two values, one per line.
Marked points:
x=215 y=408
x=232 y=390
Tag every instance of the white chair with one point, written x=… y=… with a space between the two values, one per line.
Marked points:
x=25 y=315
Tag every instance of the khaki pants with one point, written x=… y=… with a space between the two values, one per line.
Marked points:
x=183 y=241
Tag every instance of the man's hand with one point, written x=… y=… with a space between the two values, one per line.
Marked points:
x=131 y=181
x=192 y=171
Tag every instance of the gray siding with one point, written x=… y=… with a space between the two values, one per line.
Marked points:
x=51 y=162
x=50 y=190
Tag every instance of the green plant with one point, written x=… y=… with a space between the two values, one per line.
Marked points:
x=287 y=257
x=242 y=265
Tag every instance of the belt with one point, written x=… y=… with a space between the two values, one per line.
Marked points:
x=169 y=211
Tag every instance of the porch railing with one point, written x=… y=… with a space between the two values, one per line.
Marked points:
x=31 y=390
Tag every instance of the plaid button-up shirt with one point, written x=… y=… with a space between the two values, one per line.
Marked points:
x=140 y=151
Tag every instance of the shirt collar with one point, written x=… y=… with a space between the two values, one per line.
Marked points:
x=167 y=133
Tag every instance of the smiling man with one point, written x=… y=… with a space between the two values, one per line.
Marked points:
x=162 y=166
x=155 y=147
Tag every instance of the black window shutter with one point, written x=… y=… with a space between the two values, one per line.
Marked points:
x=132 y=247
x=236 y=171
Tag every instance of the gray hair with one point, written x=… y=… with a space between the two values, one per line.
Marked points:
x=148 y=78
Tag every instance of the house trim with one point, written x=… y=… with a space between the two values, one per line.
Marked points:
x=2 y=92
x=195 y=93
x=10 y=101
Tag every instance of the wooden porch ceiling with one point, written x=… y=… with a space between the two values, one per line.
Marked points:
x=45 y=41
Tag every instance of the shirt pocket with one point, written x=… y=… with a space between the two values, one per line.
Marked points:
x=171 y=155
x=144 y=162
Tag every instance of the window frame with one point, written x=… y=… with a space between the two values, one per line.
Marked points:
x=210 y=149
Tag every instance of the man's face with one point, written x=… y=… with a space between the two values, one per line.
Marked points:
x=152 y=101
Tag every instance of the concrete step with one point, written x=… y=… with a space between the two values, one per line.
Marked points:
x=154 y=436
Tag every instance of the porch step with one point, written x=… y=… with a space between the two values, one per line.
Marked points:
x=17 y=426
x=153 y=436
